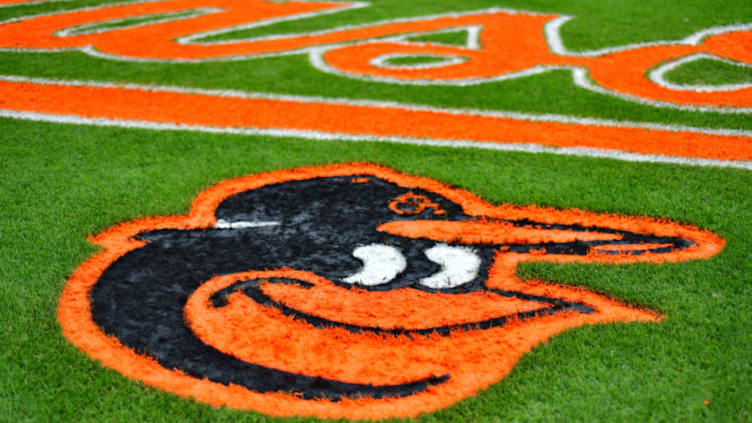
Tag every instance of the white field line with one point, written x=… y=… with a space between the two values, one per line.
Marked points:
x=657 y=75
x=384 y=104
x=552 y=30
x=315 y=135
x=31 y=3
x=383 y=61
x=168 y=17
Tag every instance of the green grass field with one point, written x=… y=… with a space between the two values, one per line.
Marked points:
x=60 y=183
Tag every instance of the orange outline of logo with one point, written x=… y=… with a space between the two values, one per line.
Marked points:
x=75 y=316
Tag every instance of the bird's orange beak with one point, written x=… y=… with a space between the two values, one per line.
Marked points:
x=234 y=327
x=488 y=231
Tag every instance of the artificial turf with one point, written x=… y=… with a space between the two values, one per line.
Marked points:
x=60 y=183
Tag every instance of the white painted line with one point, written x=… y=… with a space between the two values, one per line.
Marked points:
x=315 y=135
x=224 y=224
x=384 y=104
x=657 y=75
x=31 y=3
x=551 y=32
x=168 y=17
x=383 y=61
x=472 y=42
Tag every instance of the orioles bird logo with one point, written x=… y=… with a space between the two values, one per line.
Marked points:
x=346 y=291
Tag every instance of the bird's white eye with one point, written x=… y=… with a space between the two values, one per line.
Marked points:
x=381 y=264
x=459 y=265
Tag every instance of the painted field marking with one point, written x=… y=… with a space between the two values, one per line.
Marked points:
x=322 y=118
x=657 y=75
x=11 y=3
x=433 y=313
x=528 y=42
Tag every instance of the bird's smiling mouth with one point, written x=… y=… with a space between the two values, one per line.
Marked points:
x=259 y=316
x=307 y=298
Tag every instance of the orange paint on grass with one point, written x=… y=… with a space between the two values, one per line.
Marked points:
x=510 y=42
x=473 y=358
x=265 y=336
x=8 y=2
x=484 y=232
x=404 y=308
x=518 y=38
x=233 y=112
x=411 y=203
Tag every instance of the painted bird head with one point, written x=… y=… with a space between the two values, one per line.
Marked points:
x=355 y=285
